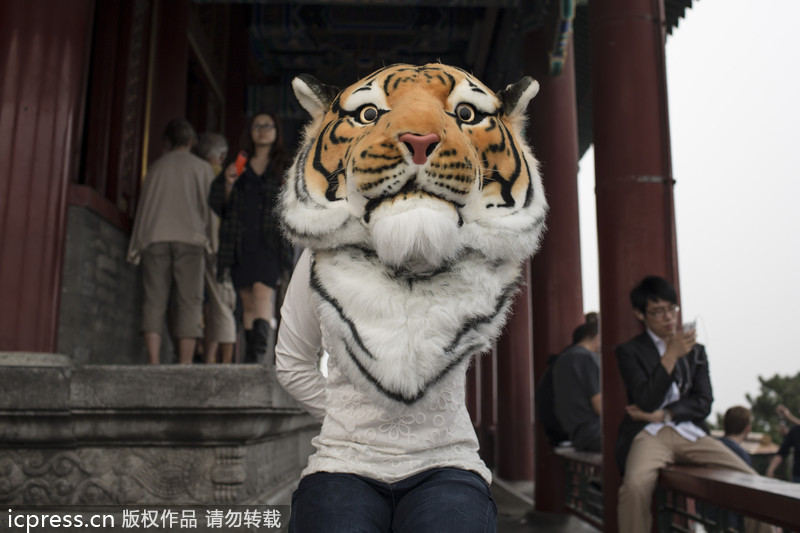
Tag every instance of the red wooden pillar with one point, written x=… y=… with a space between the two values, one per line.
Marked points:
x=557 y=289
x=487 y=429
x=43 y=58
x=515 y=390
x=236 y=78
x=635 y=214
x=169 y=70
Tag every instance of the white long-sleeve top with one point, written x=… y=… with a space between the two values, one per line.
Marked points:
x=383 y=441
x=298 y=349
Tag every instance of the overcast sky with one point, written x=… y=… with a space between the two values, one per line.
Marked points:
x=734 y=104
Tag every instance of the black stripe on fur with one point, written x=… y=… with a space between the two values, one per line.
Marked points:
x=502 y=301
x=316 y=285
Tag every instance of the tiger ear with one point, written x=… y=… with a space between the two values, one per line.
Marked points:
x=516 y=97
x=313 y=95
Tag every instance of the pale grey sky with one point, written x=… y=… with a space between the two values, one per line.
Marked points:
x=734 y=104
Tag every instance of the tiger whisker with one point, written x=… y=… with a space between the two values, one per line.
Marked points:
x=334 y=173
x=487 y=172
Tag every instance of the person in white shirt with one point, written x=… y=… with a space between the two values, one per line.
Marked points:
x=666 y=378
x=414 y=252
x=423 y=455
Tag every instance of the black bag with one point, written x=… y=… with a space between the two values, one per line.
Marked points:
x=545 y=405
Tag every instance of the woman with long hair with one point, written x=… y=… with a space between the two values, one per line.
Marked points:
x=251 y=245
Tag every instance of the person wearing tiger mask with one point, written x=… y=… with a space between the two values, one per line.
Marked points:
x=417 y=201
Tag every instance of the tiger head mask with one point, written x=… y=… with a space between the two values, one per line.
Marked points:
x=419 y=164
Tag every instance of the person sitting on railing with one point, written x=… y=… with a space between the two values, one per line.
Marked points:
x=737 y=423
x=576 y=385
x=790 y=440
x=666 y=377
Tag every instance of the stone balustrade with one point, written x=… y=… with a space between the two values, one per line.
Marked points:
x=169 y=434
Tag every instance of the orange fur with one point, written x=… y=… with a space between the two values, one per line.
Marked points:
x=417 y=101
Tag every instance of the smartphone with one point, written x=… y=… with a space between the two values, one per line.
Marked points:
x=241 y=161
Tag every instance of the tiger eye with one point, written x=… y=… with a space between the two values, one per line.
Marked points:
x=368 y=113
x=465 y=112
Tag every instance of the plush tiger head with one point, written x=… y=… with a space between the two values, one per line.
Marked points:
x=419 y=164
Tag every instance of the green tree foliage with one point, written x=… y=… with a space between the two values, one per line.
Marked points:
x=774 y=391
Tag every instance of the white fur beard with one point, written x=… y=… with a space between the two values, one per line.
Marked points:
x=420 y=234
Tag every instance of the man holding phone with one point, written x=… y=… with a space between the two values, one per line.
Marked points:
x=666 y=378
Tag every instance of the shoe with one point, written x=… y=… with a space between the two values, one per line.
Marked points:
x=263 y=341
x=250 y=355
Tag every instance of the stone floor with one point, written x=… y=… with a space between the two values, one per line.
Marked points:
x=515 y=512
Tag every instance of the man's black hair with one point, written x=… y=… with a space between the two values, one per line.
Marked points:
x=179 y=132
x=587 y=330
x=651 y=289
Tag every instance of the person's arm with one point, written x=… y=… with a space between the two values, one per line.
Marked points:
x=298 y=349
x=220 y=194
x=217 y=197
x=637 y=414
x=784 y=411
x=783 y=451
x=679 y=345
x=589 y=372
x=695 y=404
x=645 y=389
x=597 y=404
x=773 y=465
x=135 y=246
x=208 y=215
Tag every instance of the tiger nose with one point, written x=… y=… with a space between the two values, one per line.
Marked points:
x=420 y=145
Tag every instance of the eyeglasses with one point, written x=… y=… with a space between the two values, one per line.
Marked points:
x=266 y=127
x=662 y=312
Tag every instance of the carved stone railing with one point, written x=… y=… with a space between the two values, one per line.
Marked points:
x=108 y=435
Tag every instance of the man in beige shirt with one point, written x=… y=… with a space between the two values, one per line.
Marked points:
x=171 y=235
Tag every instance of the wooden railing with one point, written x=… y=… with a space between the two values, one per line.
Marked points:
x=719 y=494
x=583 y=483
x=721 y=500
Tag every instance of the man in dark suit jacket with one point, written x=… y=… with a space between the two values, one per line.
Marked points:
x=666 y=377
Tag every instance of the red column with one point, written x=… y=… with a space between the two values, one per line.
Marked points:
x=43 y=57
x=636 y=228
x=169 y=70
x=515 y=390
x=557 y=289
x=487 y=430
x=236 y=75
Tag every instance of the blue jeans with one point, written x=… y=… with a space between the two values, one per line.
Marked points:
x=440 y=500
